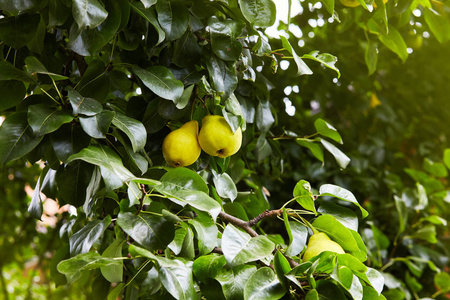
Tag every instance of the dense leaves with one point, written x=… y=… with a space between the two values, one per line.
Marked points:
x=353 y=148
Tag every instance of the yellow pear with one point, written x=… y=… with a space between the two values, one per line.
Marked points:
x=216 y=137
x=318 y=243
x=180 y=147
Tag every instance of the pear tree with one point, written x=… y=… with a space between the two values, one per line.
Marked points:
x=156 y=126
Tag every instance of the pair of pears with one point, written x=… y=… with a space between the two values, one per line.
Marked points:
x=320 y=242
x=183 y=146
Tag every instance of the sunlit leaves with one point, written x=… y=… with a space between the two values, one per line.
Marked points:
x=326 y=59
x=187 y=187
x=263 y=284
x=395 y=42
x=160 y=80
x=341 y=193
x=439 y=24
x=260 y=13
x=133 y=129
x=302 y=67
x=239 y=247
x=113 y=172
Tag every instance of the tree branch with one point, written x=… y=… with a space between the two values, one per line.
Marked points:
x=238 y=222
x=247 y=226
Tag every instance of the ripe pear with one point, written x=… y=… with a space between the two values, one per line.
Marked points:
x=216 y=137
x=180 y=147
x=318 y=243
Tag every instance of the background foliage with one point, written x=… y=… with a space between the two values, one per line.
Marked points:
x=91 y=88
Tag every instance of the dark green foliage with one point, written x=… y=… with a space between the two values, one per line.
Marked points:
x=354 y=148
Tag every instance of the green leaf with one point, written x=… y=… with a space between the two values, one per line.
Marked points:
x=225 y=186
x=183 y=242
x=88 y=13
x=329 y=290
x=223 y=76
x=82 y=240
x=17 y=138
x=346 y=216
x=442 y=281
x=329 y=5
x=371 y=56
x=312 y=294
x=206 y=232
x=160 y=81
x=82 y=105
x=148 y=3
x=35 y=208
x=35 y=66
x=175 y=276
x=264 y=117
x=370 y=294
x=113 y=172
x=223 y=38
x=297 y=233
x=173 y=16
x=208 y=266
x=326 y=59
x=188 y=187
x=184 y=99
x=426 y=233
x=327 y=130
x=73 y=181
x=303 y=195
x=239 y=247
x=374 y=278
x=302 y=67
x=402 y=213
x=67 y=140
x=113 y=273
x=9 y=72
x=133 y=129
x=263 y=284
x=261 y=13
x=439 y=24
x=336 y=231
x=281 y=267
x=394 y=41
x=341 y=193
x=97 y=126
x=12 y=91
x=352 y=263
x=115 y=292
x=151 y=231
x=17 y=31
x=85 y=261
x=233 y=280
x=314 y=147
x=356 y=289
x=342 y=159
x=44 y=119
x=434 y=168
x=446 y=158
x=150 y=16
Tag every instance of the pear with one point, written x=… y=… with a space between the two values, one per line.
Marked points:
x=320 y=242
x=216 y=137
x=180 y=147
